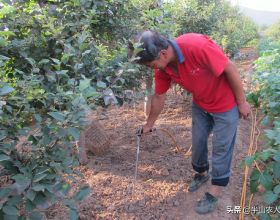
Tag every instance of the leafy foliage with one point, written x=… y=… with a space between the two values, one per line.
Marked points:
x=267 y=97
x=52 y=69
x=218 y=19
x=274 y=31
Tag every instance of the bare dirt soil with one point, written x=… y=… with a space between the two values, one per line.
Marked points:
x=161 y=189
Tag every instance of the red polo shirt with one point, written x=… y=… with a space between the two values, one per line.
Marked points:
x=201 y=63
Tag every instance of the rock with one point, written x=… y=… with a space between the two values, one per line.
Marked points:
x=176 y=203
x=111 y=208
x=129 y=208
x=164 y=172
x=169 y=201
x=142 y=203
x=98 y=206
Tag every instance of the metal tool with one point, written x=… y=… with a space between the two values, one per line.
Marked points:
x=139 y=134
x=137 y=156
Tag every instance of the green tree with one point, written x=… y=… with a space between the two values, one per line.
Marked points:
x=216 y=18
x=273 y=31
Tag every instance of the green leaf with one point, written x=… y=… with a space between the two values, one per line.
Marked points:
x=4 y=157
x=131 y=70
x=266 y=180
x=9 y=109
x=269 y=197
x=57 y=115
x=5 y=192
x=121 y=80
x=38 y=118
x=265 y=155
x=3 y=135
x=38 y=187
x=41 y=201
x=56 y=61
x=4 y=58
x=44 y=61
x=82 y=38
x=61 y=133
x=65 y=58
x=84 y=191
x=76 y=2
x=62 y=72
x=42 y=170
x=78 y=66
x=79 y=101
x=11 y=217
x=249 y=160
x=29 y=205
x=101 y=84
x=84 y=83
x=276 y=170
x=46 y=140
x=74 y=132
x=86 y=52
x=70 y=203
x=65 y=188
x=52 y=176
x=10 y=210
x=31 y=194
x=33 y=139
x=3 y=42
x=5 y=90
x=21 y=180
x=276 y=189
x=14 y=200
x=73 y=214
x=67 y=162
x=91 y=92
x=39 y=177
x=35 y=216
x=255 y=175
x=7 y=9
x=31 y=61
x=24 y=131
x=7 y=33
x=253 y=185
x=264 y=216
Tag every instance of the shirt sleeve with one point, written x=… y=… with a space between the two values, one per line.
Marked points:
x=212 y=57
x=162 y=82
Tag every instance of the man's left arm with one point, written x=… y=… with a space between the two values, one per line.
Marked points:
x=235 y=83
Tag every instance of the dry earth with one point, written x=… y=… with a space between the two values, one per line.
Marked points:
x=161 y=188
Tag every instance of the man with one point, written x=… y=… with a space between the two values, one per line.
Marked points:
x=199 y=65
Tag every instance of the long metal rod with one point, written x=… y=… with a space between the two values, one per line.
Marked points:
x=137 y=157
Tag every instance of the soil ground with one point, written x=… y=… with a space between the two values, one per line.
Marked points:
x=161 y=188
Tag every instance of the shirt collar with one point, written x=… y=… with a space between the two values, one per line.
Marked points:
x=178 y=51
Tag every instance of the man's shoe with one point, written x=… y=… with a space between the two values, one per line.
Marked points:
x=197 y=181
x=207 y=204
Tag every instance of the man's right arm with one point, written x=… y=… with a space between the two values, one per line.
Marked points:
x=157 y=105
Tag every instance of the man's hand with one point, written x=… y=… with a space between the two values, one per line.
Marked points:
x=236 y=85
x=147 y=128
x=144 y=130
x=157 y=104
x=244 y=109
